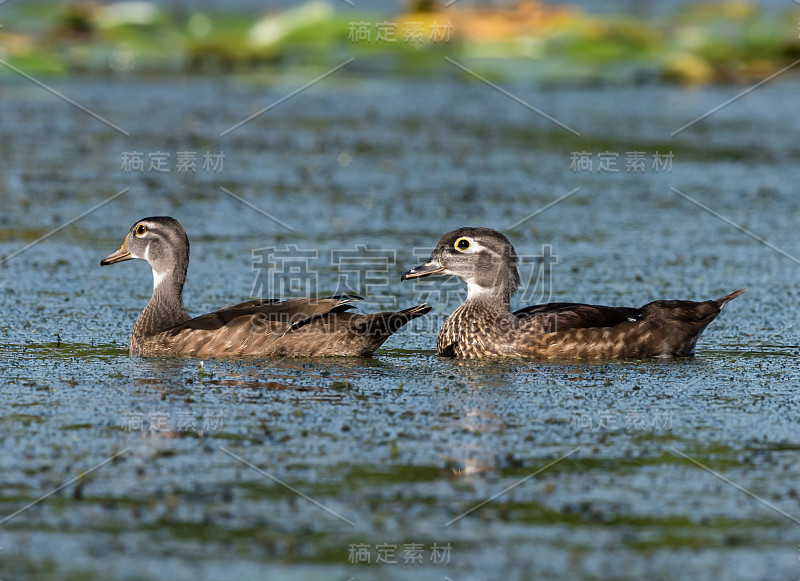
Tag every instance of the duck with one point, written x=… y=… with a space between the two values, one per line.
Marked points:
x=257 y=328
x=484 y=326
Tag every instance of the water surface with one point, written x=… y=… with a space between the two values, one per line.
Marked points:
x=594 y=470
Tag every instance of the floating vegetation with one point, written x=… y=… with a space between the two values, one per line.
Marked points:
x=723 y=41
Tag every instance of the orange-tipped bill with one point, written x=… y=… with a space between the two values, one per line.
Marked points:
x=121 y=255
x=430 y=267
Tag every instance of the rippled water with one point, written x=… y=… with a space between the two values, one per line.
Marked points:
x=577 y=470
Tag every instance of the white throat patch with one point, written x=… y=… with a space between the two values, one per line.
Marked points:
x=158 y=278
x=475 y=290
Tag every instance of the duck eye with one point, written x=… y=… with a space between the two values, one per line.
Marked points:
x=462 y=244
x=141 y=230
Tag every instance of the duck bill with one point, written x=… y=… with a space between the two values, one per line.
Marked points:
x=121 y=255
x=427 y=269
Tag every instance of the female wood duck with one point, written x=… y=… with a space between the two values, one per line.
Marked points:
x=306 y=327
x=484 y=326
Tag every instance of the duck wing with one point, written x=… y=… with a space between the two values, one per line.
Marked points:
x=385 y=323
x=346 y=333
x=304 y=327
x=552 y=317
x=272 y=310
x=664 y=329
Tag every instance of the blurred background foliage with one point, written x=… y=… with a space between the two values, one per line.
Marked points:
x=732 y=41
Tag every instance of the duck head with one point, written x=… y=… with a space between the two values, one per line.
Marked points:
x=481 y=257
x=161 y=242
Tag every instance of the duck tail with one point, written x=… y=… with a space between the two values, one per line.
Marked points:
x=386 y=323
x=692 y=312
x=682 y=322
x=721 y=302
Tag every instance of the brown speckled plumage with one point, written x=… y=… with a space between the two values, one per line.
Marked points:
x=303 y=327
x=484 y=326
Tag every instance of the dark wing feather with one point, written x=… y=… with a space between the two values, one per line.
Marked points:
x=552 y=317
x=289 y=312
x=346 y=333
x=253 y=303
x=386 y=323
x=278 y=304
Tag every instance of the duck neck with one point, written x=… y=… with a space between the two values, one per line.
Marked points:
x=480 y=325
x=165 y=309
x=497 y=298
